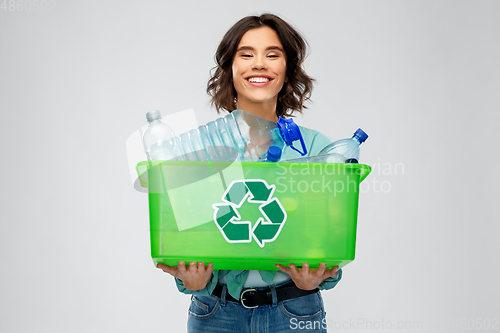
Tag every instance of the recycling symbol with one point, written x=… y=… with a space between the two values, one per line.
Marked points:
x=237 y=230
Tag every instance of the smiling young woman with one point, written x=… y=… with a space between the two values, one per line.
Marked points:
x=259 y=70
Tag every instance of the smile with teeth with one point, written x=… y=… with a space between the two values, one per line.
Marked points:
x=258 y=79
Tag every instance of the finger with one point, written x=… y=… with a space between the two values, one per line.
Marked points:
x=192 y=266
x=293 y=269
x=305 y=269
x=167 y=269
x=332 y=272
x=321 y=269
x=181 y=266
x=283 y=268
x=201 y=266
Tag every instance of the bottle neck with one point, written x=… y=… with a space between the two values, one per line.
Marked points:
x=355 y=138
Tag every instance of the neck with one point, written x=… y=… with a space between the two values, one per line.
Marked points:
x=266 y=110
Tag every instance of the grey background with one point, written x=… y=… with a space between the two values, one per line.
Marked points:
x=420 y=77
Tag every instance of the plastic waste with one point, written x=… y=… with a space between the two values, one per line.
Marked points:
x=290 y=132
x=156 y=138
x=239 y=136
x=273 y=154
x=327 y=158
x=348 y=148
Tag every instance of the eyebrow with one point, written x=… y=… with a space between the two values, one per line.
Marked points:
x=244 y=48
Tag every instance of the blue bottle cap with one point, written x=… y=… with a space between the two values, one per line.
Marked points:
x=351 y=160
x=362 y=136
x=290 y=132
x=273 y=154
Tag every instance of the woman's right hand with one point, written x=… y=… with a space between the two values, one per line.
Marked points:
x=194 y=277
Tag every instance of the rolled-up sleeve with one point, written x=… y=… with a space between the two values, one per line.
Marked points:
x=207 y=291
x=331 y=282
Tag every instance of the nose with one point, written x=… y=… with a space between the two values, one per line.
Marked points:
x=259 y=63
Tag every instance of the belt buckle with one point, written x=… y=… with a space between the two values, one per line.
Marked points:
x=242 y=299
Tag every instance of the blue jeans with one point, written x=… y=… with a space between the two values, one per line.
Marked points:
x=216 y=315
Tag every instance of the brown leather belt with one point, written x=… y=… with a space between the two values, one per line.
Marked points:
x=252 y=298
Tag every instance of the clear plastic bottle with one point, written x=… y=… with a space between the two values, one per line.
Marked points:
x=238 y=136
x=156 y=138
x=327 y=158
x=348 y=148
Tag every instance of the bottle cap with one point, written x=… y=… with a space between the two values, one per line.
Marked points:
x=290 y=132
x=153 y=115
x=362 y=136
x=273 y=154
x=351 y=160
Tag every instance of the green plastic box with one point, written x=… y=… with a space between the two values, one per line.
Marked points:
x=252 y=215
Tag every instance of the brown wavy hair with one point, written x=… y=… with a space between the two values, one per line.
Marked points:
x=295 y=92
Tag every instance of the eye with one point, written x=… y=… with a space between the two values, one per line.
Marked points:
x=246 y=55
x=273 y=56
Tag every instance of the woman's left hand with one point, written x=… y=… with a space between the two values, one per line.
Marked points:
x=308 y=279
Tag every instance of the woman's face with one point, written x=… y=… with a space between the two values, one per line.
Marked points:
x=259 y=71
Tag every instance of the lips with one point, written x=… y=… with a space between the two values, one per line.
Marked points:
x=258 y=80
